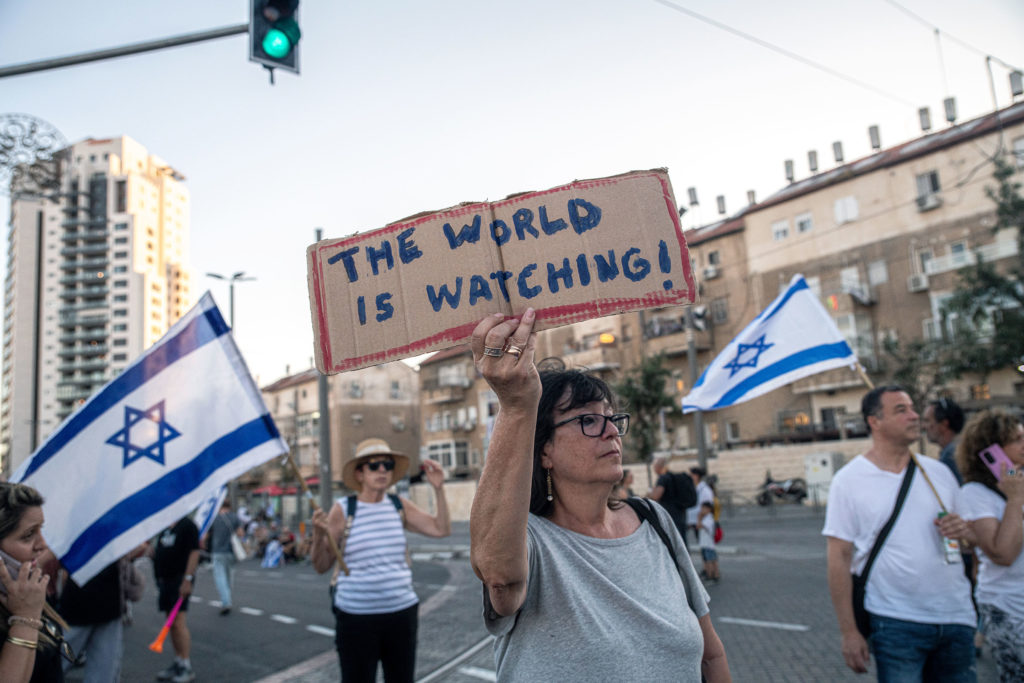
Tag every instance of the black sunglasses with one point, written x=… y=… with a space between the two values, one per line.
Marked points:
x=388 y=465
x=594 y=424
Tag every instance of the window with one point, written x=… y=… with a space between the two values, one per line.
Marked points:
x=780 y=230
x=120 y=240
x=1018 y=152
x=714 y=258
x=846 y=210
x=958 y=253
x=804 y=222
x=120 y=254
x=357 y=419
x=119 y=327
x=120 y=196
x=120 y=342
x=120 y=226
x=927 y=191
x=120 y=312
x=732 y=431
x=981 y=392
x=396 y=389
x=120 y=357
x=719 y=311
x=878 y=272
x=120 y=298
x=120 y=269
x=120 y=284
x=814 y=284
x=924 y=257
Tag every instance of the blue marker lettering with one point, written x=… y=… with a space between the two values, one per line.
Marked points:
x=583 y=269
x=384 y=309
x=500 y=232
x=523 y=220
x=375 y=256
x=642 y=266
x=665 y=263
x=526 y=291
x=407 y=249
x=564 y=274
x=501 y=277
x=583 y=223
x=350 y=265
x=479 y=289
x=361 y=309
x=438 y=298
x=469 y=233
x=549 y=227
x=607 y=269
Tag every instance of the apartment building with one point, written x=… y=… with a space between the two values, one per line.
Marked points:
x=96 y=273
x=381 y=401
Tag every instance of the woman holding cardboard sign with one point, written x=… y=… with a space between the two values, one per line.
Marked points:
x=990 y=456
x=557 y=554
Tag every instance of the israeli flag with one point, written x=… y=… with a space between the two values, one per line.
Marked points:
x=794 y=337
x=146 y=449
x=208 y=509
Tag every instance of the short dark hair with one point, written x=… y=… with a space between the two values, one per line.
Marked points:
x=709 y=506
x=946 y=410
x=871 y=404
x=578 y=389
x=15 y=499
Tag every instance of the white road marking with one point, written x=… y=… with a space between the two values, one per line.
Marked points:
x=322 y=630
x=764 y=624
x=436 y=673
x=251 y=610
x=283 y=619
x=477 y=672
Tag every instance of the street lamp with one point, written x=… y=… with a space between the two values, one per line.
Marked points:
x=237 y=277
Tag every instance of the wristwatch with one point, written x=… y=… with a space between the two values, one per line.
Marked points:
x=191 y=578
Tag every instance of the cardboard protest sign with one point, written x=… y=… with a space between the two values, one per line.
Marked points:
x=584 y=250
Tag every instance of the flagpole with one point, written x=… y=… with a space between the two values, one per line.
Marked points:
x=316 y=506
x=870 y=385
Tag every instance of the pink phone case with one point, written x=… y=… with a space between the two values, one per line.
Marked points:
x=993 y=456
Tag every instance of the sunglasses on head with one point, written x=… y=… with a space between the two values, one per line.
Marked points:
x=388 y=465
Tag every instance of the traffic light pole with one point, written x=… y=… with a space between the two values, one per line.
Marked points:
x=111 y=53
x=698 y=417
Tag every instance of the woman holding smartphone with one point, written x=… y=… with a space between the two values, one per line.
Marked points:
x=994 y=507
x=32 y=642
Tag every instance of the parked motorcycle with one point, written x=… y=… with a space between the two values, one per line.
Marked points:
x=790 y=490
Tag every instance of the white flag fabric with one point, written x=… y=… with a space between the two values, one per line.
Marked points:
x=794 y=337
x=146 y=449
x=208 y=509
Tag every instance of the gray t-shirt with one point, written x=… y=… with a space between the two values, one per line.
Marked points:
x=601 y=609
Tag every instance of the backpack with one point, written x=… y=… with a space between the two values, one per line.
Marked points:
x=684 y=491
x=350 y=513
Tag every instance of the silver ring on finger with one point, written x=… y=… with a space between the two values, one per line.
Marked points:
x=492 y=351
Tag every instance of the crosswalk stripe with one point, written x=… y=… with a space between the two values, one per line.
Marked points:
x=477 y=672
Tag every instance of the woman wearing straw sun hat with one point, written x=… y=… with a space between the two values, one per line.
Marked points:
x=375 y=607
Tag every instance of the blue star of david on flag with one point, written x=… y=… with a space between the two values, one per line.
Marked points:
x=758 y=347
x=150 y=419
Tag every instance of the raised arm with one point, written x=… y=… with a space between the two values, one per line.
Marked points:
x=497 y=522
x=416 y=519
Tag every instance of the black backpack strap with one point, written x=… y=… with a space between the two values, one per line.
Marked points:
x=645 y=511
x=904 y=488
x=350 y=503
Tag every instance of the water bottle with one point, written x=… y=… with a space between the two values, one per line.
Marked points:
x=950 y=546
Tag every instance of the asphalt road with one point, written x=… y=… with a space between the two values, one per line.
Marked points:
x=771 y=609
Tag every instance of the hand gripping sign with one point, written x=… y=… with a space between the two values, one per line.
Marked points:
x=584 y=250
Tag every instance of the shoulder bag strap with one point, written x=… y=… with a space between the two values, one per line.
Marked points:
x=904 y=487
x=645 y=512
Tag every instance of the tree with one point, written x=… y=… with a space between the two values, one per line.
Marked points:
x=917 y=365
x=984 y=318
x=643 y=392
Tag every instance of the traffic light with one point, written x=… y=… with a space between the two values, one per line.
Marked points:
x=274 y=34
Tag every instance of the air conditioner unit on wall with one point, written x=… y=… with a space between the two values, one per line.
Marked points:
x=710 y=272
x=928 y=202
x=918 y=282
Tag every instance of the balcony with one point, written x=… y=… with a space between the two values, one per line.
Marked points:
x=88 y=278
x=444 y=394
x=95 y=290
x=73 y=264
x=87 y=335
x=993 y=251
x=70 y=392
x=86 y=249
x=597 y=358
x=85 y=351
x=95 y=365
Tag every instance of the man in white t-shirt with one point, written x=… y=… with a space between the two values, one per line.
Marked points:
x=922 y=619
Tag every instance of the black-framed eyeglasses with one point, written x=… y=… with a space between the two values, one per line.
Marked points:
x=594 y=424
x=388 y=465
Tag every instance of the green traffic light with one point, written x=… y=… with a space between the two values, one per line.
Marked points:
x=276 y=44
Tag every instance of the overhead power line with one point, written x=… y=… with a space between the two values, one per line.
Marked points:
x=786 y=53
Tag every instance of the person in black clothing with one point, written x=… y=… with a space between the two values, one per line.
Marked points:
x=676 y=493
x=175 y=558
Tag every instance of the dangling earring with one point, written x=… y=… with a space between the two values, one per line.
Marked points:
x=551 y=496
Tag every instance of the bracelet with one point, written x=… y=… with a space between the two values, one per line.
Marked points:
x=37 y=624
x=30 y=644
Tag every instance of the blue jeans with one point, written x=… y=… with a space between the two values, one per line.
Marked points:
x=222 y=563
x=103 y=645
x=906 y=651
